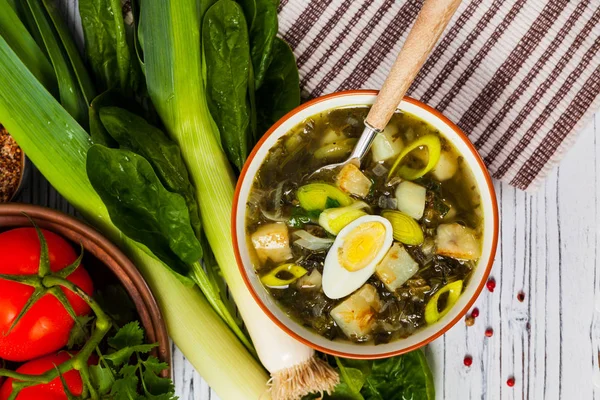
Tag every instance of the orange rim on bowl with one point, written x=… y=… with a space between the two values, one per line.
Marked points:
x=443 y=329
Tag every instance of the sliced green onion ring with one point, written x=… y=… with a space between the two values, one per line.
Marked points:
x=406 y=230
x=434 y=148
x=271 y=280
x=432 y=314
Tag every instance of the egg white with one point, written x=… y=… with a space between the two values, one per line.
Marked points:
x=338 y=282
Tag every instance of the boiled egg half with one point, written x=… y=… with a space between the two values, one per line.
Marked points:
x=355 y=253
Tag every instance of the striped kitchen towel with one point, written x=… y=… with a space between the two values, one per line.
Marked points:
x=520 y=77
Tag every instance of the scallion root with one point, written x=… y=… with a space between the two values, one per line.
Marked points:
x=311 y=376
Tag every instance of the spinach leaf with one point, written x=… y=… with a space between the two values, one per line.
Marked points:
x=401 y=377
x=134 y=133
x=106 y=43
x=408 y=374
x=97 y=131
x=140 y=206
x=280 y=92
x=249 y=7
x=227 y=60
x=262 y=37
x=351 y=382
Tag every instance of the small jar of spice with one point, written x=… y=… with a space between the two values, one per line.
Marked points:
x=12 y=162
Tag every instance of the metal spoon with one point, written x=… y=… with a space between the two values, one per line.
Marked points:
x=429 y=25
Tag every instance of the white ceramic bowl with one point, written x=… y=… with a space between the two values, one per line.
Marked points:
x=347 y=349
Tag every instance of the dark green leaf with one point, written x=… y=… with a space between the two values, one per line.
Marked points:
x=135 y=134
x=142 y=208
x=122 y=356
x=351 y=382
x=227 y=60
x=262 y=37
x=125 y=389
x=128 y=370
x=154 y=365
x=408 y=375
x=106 y=42
x=401 y=377
x=23 y=44
x=331 y=203
x=115 y=302
x=157 y=385
x=300 y=217
x=280 y=92
x=102 y=378
x=70 y=94
x=97 y=131
x=129 y=335
x=249 y=7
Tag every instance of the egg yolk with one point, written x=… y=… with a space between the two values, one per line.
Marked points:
x=361 y=245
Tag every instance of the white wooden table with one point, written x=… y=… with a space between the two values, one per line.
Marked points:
x=550 y=342
x=549 y=247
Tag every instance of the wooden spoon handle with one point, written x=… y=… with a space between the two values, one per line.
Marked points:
x=430 y=23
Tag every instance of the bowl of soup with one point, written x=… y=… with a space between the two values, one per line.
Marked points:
x=369 y=260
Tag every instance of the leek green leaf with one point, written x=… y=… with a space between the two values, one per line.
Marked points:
x=106 y=43
x=70 y=93
x=85 y=83
x=262 y=37
x=22 y=43
x=142 y=208
x=280 y=91
x=136 y=134
x=57 y=146
x=227 y=59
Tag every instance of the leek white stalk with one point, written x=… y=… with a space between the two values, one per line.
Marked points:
x=174 y=79
x=57 y=145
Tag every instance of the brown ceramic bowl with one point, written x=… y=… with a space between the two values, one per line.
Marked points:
x=102 y=259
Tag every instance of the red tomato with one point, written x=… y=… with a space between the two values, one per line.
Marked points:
x=46 y=325
x=50 y=391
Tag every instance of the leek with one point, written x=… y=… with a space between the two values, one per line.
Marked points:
x=70 y=93
x=174 y=78
x=57 y=145
x=19 y=39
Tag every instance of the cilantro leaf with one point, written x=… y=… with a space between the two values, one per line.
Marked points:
x=125 y=388
x=120 y=357
x=129 y=335
x=156 y=385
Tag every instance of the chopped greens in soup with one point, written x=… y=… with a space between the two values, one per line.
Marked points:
x=371 y=253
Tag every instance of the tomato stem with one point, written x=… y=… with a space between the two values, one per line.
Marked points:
x=77 y=362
